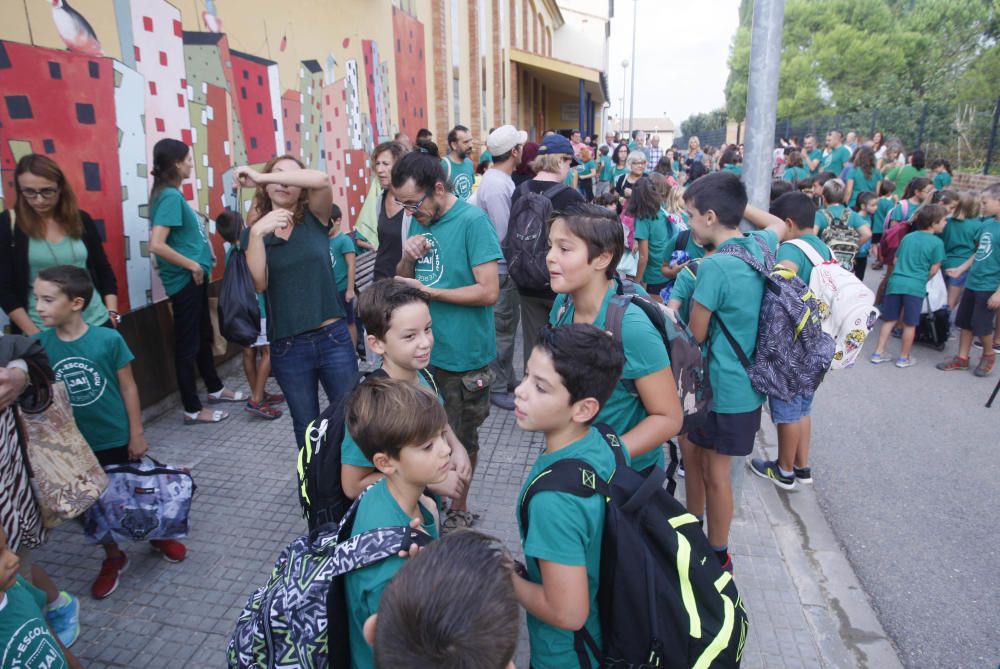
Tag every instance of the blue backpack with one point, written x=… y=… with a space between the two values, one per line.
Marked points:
x=793 y=353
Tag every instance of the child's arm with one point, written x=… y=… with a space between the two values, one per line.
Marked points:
x=658 y=394
x=763 y=220
x=671 y=271
x=349 y=258
x=848 y=190
x=993 y=304
x=934 y=270
x=643 y=259
x=137 y=446
x=459 y=456
x=354 y=480
x=561 y=599
x=700 y=318
x=961 y=269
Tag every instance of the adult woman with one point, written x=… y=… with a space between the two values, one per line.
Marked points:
x=184 y=262
x=794 y=170
x=288 y=255
x=50 y=230
x=694 y=153
x=636 y=163
x=878 y=145
x=393 y=220
x=619 y=161
x=864 y=176
x=524 y=172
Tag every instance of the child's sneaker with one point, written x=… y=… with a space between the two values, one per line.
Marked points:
x=768 y=469
x=63 y=617
x=879 y=358
x=985 y=365
x=803 y=474
x=956 y=364
x=903 y=363
x=172 y=551
x=107 y=580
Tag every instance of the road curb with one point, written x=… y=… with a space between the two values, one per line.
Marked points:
x=846 y=626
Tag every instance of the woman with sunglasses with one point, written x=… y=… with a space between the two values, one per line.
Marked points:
x=288 y=251
x=46 y=228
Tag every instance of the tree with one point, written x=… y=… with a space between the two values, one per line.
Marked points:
x=698 y=123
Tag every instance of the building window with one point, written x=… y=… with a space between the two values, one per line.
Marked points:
x=253 y=142
x=246 y=74
x=260 y=108
x=85 y=113
x=55 y=70
x=94 y=70
x=147 y=24
x=92 y=176
x=163 y=58
x=260 y=80
x=243 y=92
x=49 y=146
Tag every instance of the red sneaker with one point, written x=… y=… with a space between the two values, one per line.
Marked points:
x=173 y=551
x=107 y=580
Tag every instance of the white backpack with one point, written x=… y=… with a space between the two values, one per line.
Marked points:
x=846 y=304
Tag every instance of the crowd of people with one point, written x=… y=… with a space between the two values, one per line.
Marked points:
x=441 y=319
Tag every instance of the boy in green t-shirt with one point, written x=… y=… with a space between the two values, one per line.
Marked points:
x=94 y=365
x=400 y=427
x=342 y=255
x=397 y=321
x=977 y=312
x=571 y=373
x=834 y=191
x=728 y=289
x=26 y=640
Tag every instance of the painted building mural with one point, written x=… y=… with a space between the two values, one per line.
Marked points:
x=95 y=85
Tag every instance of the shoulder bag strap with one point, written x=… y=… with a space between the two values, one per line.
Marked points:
x=744 y=360
x=812 y=254
x=552 y=191
x=571 y=476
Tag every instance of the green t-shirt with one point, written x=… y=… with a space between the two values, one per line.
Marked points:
x=684 y=288
x=902 y=176
x=788 y=251
x=645 y=354
x=835 y=160
x=797 y=173
x=985 y=271
x=863 y=184
x=917 y=253
x=358 y=238
x=854 y=220
x=567 y=530
x=959 y=238
x=363 y=587
x=817 y=155
x=885 y=205
x=461 y=176
x=654 y=231
x=732 y=290
x=617 y=172
x=340 y=246
x=301 y=290
x=485 y=156
x=692 y=247
x=187 y=236
x=89 y=367
x=607 y=169
x=942 y=180
x=43 y=254
x=25 y=638
x=735 y=169
x=350 y=452
x=464 y=336
x=586 y=168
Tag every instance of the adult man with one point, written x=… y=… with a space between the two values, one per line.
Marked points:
x=493 y=197
x=451 y=253
x=812 y=155
x=424 y=135
x=655 y=152
x=852 y=141
x=837 y=154
x=638 y=143
x=404 y=140
x=610 y=141
x=577 y=141
x=459 y=171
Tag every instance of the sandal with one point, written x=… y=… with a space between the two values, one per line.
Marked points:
x=219 y=397
x=195 y=419
x=262 y=409
x=455 y=520
x=274 y=398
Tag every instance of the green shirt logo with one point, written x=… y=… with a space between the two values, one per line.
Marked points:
x=985 y=249
x=461 y=186
x=430 y=268
x=83 y=381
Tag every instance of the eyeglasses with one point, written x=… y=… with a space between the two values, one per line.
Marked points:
x=412 y=207
x=44 y=193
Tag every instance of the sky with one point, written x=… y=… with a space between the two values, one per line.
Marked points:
x=681 y=51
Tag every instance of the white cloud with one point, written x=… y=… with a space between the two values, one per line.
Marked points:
x=681 y=51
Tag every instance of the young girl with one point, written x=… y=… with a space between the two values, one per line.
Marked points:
x=959 y=238
x=886 y=201
x=864 y=177
x=918 y=259
x=342 y=256
x=586 y=172
x=918 y=193
x=941 y=173
x=794 y=171
x=866 y=206
x=650 y=233
x=629 y=263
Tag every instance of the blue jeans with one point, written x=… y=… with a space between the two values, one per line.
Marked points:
x=302 y=362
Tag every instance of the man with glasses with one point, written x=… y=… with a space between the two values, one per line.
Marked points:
x=451 y=254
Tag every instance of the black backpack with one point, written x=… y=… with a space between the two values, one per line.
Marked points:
x=239 y=313
x=664 y=599
x=527 y=242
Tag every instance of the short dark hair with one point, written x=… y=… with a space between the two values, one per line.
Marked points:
x=335 y=213
x=504 y=157
x=916 y=185
x=645 y=201
x=426 y=617
x=381 y=299
x=886 y=187
x=864 y=199
x=599 y=228
x=72 y=281
x=453 y=134
x=424 y=133
x=779 y=187
x=927 y=216
x=721 y=192
x=917 y=159
x=796 y=207
x=586 y=358
x=229 y=225
x=385 y=415
x=395 y=148
x=423 y=168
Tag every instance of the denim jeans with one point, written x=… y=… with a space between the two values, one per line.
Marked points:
x=304 y=361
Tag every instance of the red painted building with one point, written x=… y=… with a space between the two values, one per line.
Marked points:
x=62 y=105
x=253 y=100
x=291 y=111
x=411 y=77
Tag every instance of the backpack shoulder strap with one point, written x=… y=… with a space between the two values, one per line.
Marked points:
x=429 y=378
x=738 y=251
x=571 y=476
x=682 y=239
x=552 y=191
x=744 y=360
x=616 y=313
x=447 y=176
x=812 y=254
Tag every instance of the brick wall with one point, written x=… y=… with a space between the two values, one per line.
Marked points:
x=475 y=73
x=525 y=13
x=442 y=72
x=967 y=181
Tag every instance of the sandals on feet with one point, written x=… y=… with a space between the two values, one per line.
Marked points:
x=219 y=397
x=262 y=409
x=274 y=398
x=454 y=520
x=195 y=419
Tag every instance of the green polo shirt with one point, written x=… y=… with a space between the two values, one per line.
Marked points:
x=917 y=253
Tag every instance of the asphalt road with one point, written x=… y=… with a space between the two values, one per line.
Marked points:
x=906 y=465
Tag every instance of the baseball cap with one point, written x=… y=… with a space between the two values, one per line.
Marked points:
x=505 y=138
x=556 y=144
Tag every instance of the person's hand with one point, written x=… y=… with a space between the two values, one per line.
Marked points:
x=137 y=446
x=247 y=177
x=198 y=274
x=412 y=283
x=271 y=221
x=416 y=247
x=954 y=272
x=628 y=193
x=349 y=295
x=417 y=525
x=994 y=302
x=462 y=464
x=452 y=486
x=13 y=381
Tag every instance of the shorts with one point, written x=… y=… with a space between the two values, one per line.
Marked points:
x=466 y=398
x=655 y=288
x=876 y=238
x=262 y=337
x=974 y=315
x=909 y=305
x=349 y=314
x=728 y=433
x=792 y=411
x=953 y=281
x=113 y=456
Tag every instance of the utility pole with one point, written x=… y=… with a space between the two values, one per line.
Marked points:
x=762 y=99
x=631 y=99
x=621 y=119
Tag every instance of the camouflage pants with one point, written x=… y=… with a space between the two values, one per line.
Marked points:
x=466 y=401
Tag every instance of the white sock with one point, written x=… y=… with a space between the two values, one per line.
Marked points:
x=783 y=472
x=61 y=600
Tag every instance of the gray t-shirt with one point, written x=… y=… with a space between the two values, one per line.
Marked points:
x=493 y=197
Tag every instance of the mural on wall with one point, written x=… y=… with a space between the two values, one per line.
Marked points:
x=98 y=114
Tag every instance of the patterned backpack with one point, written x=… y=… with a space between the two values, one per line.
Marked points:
x=299 y=618
x=793 y=353
x=842 y=239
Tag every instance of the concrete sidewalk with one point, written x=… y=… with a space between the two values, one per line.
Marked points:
x=806 y=608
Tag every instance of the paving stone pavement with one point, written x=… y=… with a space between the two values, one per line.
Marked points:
x=246 y=509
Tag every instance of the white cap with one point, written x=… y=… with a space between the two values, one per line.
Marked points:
x=505 y=138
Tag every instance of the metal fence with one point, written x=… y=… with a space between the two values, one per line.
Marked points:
x=963 y=133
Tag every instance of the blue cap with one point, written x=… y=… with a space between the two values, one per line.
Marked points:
x=556 y=144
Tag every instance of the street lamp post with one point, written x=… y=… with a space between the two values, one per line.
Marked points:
x=621 y=119
x=631 y=100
